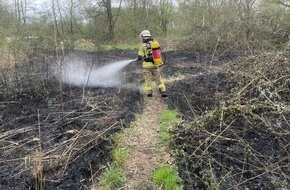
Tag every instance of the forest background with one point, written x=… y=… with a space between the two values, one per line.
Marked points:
x=198 y=25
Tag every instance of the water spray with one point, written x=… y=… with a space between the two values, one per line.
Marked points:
x=77 y=72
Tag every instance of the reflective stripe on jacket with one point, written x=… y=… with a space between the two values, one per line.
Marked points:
x=143 y=53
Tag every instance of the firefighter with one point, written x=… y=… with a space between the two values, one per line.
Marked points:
x=150 y=69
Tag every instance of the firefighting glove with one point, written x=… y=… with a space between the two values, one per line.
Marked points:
x=149 y=59
x=139 y=58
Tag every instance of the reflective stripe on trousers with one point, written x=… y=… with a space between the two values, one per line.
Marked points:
x=153 y=75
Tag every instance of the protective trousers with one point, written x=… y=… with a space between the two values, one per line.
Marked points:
x=153 y=75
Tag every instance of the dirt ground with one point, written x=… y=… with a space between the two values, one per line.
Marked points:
x=142 y=138
x=235 y=134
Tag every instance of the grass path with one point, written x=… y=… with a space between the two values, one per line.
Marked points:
x=142 y=137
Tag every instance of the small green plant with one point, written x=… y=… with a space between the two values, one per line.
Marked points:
x=115 y=175
x=121 y=151
x=112 y=179
x=169 y=117
x=167 y=177
x=167 y=120
x=120 y=155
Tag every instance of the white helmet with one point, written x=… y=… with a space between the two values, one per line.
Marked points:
x=145 y=33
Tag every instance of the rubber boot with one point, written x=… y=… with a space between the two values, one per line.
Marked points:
x=149 y=93
x=163 y=93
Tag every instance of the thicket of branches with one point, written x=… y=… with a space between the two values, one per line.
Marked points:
x=243 y=142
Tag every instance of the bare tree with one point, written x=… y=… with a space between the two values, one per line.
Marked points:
x=165 y=14
x=53 y=9
x=58 y=7
x=107 y=4
x=246 y=14
x=284 y=2
x=142 y=14
x=104 y=8
x=71 y=15
x=21 y=10
x=61 y=13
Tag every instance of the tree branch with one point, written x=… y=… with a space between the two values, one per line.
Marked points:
x=285 y=3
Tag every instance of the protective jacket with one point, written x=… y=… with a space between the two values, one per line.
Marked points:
x=145 y=53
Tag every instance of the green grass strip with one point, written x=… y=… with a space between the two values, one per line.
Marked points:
x=112 y=179
x=115 y=175
x=168 y=120
x=167 y=177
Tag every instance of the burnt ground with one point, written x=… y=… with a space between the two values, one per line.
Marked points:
x=236 y=129
x=234 y=136
x=65 y=137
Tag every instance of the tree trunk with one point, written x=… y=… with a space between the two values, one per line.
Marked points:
x=110 y=22
x=71 y=16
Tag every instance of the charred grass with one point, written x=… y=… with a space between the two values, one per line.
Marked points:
x=235 y=133
x=237 y=130
x=52 y=139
